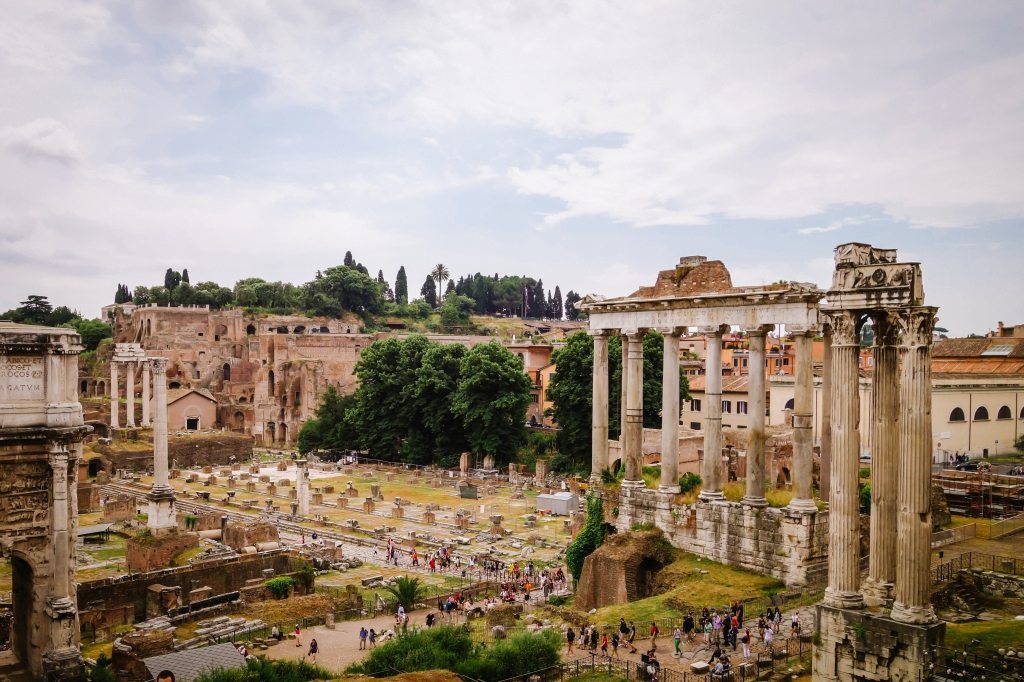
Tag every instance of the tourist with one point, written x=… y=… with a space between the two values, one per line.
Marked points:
x=165 y=676
x=593 y=638
x=778 y=619
x=615 y=644
x=632 y=637
x=363 y=634
x=677 y=639
x=707 y=631
x=373 y=638
x=794 y=627
x=654 y=635
x=716 y=654
x=604 y=645
x=298 y=635
x=688 y=626
x=746 y=643
x=768 y=636
x=275 y=633
x=569 y=637
x=314 y=649
x=430 y=620
x=242 y=650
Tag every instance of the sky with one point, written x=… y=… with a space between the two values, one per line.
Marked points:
x=588 y=143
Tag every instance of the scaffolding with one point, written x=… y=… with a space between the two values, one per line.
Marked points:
x=981 y=494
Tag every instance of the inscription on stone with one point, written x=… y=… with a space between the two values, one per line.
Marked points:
x=21 y=378
x=24 y=495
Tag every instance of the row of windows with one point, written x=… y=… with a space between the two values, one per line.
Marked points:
x=741 y=406
x=981 y=414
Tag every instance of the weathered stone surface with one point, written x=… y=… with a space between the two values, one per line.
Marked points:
x=622 y=569
x=149 y=552
x=239 y=535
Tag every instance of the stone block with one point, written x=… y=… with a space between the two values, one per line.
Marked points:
x=284 y=482
x=368 y=505
x=282 y=465
x=342 y=501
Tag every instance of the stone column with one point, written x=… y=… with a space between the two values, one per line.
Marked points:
x=599 y=414
x=114 y=419
x=670 y=412
x=755 y=419
x=302 y=485
x=161 y=496
x=914 y=524
x=129 y=391
x=825 y=464
x=844 y=501
x=712 y=467
x=634 y=427
x=623 y=390
x=146 y=421
x=60 y=604
x=885 y=448
x=803 y=417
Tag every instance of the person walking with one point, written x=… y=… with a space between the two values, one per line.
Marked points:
x=298 y=635
x=677 y=639
x=314 y=649
x=615 y=644
x=363 y=634
x=570 y=635
x=373 y=638
x=654 y=636
x=632 y=637
x=604 y=645
x=746 y=643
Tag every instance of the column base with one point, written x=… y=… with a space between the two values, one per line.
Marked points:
x=843 y=600
x=595 y=481
x=754 y=501
x=876 y=593
x=633 y=485
x=669 y=489
x=712 y=496
x=914 y=615
x=162 y=518
x=803 y=505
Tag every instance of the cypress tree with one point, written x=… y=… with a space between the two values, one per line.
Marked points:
x=401 y=287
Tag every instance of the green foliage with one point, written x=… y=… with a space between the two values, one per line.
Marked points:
x=588 y=539
x=456 y=311
x=558 y=600
x=306 y=576
x=491 y=399
x=340 y=289
x=688 y=481
x=408 y=591
x=864 y=472
x=333 y=427
x=279 y=586
x=429 y=291
x=1018 y=444
x=265 y=670
x=450 y=648
x=190 y=521
x=571 y=301
x=401 y=287
x=865 y=499
x=92 y=332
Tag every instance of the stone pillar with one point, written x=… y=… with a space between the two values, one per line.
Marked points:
x=161 y=496
x=129 y=391
x=60 y=602
x=114 y=410
x=670 y=413
x=825 y=461
x=302 y=486
x=712 y=468
x=844 y=501
x=634 y=426
x=146 y=421
x=755 y=419
x=599 y=418
x=803 y=418
x=623 y=390
x=885 y=448
x=914 y=524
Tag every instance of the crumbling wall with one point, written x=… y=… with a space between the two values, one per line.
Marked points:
x=621 y=570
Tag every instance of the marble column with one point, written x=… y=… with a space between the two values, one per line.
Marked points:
x=634 y=431
x=60 y=586
x=60 y=604
x=302 y=485
x=670 y=412
x=129 y=390
x=843 y=589
x=114 y=410
x=599 y=414
x=825 y=465
x=711 y=471
x=885 y=447
x=623 y=390
x=146 y=421
x=755 y=419
x=161 y=496
x=912 y=602
x=803 y=417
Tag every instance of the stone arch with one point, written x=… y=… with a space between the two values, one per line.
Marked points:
x=1005 y=413
x=219 y=331
x=283 y=329
x=242 y=400
x=299 y=329
x=957 y=415
x=284 y=432
x=981 y=414
x=250 y=330
x=226 y=369
x=174 y=384
x=324 y=329
x=83 y=387
x=101 y=388
x=100 y=429
x=239 y=421
x=783 y=479
x=149 y=327
x=296 y=392
x=95 y=467
x=788 y=405
x=23 y=596
x=646 y=572
x=272 y=431
x=270 y=383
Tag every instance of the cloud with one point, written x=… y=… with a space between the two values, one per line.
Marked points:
x=44 y=139
x=838 y=224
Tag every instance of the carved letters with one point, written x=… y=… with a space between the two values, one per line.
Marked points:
x=21 y=378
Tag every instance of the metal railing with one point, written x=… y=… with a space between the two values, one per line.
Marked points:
x=947 y=571
x=951 y=536
x=1000 y=529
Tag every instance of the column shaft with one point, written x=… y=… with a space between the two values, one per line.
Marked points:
x=803 y=417
x=755 y=420
x=114 y=419
x=129 y=390
x=160 y=423
x=634 y=431
x=712 y=466
x=623 y=390
x=844 y=501
x=146 y=421
x=302 y=483
x=670 y=413
x=825 y=465
x=60 y=587
x=599 y=414
x=885 y=437
x=914 y=523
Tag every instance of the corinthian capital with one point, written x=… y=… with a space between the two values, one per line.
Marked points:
x=159 y=365
x=919 y=326
x=845 y=327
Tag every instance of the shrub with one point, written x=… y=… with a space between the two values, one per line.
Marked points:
x=307 y=576
x=688 y=481
x=865 y=499
x=589 y=538
x=408 y=591
x=263 y=670
x=279 y=586
x=557 y=600
x=519 y=653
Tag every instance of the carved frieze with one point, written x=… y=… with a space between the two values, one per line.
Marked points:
x=24 y=497
x=888 y=275
x=863 y=254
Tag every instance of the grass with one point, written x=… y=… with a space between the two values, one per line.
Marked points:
x=993 y=635
x=190 y=553
x=5 y=575
x=721 y=585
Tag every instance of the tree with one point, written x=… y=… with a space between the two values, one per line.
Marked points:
x=437 y=431
x=171 y=279
x=92 y=332
x=401 y=287
x=439 y=274
x=349 y=261
x=590 y=537
x=141 y=296
x=571 y=392
x=1018 y=444
x=538 y=301
x=556 y=308
x=342 y=289
x=35 y=309
x=184 y=276
x=333 y=427
x=456 y=310
x=571 y=311
x=429 y=291
x=491 y=400
x=385 y=288
x=408 y=591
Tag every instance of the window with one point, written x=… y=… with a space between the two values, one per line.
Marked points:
x=957 y=415
x=695 y=426
x=695 y=405
x=785 y=362
x=744 y=362
x=981 y=414
x=789 y=404
x=741 y=407
x=727 y=406
x=1004 y=413
x=191 y=423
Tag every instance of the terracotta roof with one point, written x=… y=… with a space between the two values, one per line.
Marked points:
x=730 y=384
x=987 y=365
x=176 y=394
x=976 y=348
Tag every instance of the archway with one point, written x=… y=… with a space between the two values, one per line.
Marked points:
x=250 y=330
x=270 y=383
x=22 y=583
x=227 y=371
x=95 y=467
x=783 y=479
x=324 y=330
x=84 y=387
x=173 y=385
x=271 y=432
x=300 y=329
x=239 y=421
x=284 y=433
x=101 y=388
x=282 y=329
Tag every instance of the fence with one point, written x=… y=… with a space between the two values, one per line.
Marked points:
x=953 y=535
x=971 y=664
x=947 y=570
x=1000 y=529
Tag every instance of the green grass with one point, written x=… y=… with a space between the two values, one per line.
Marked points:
x=1002 y=634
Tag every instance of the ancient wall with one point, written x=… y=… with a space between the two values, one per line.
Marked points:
x=148 y=553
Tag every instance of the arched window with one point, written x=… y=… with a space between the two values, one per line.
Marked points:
x=250 y=330
x=227 y=372
x=270 y=383
x=789 y=404
x=282 y=329
x=957 y=415
x=1022 y=413
x=1004 y=413
x=981 y=414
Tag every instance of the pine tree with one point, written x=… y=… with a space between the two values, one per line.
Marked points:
x=350 y=262
x=401 y=287
x=184 y=276
x=537 y=309
x=429 y=291
x=556 y=312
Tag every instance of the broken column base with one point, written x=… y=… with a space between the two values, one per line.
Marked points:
x=855 y=644
x=162 y=519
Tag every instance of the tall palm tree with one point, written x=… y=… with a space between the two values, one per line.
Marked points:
x=439 y=274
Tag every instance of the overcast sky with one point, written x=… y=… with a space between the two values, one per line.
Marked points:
x=587 y=143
